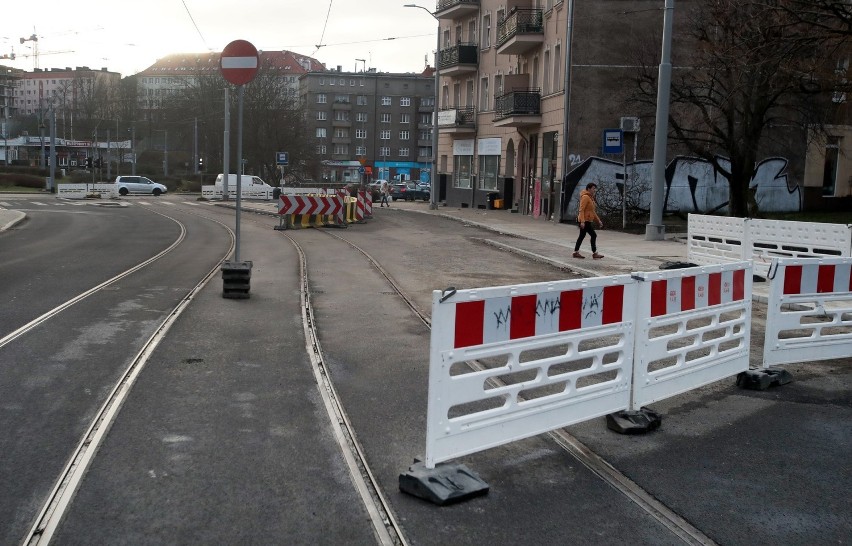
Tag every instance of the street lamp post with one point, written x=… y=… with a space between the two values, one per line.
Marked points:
x=433 y=194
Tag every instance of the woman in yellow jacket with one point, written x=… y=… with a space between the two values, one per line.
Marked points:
x=587 y=217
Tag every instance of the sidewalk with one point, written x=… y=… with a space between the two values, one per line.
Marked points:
x=624 y=252
x=8 y=218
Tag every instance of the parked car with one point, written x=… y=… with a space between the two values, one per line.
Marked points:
x=138 y=184
x=409 y=191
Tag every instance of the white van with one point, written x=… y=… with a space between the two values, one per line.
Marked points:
x=247 y=182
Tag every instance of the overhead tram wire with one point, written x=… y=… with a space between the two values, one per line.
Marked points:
x=360 y=41
x=324 y=26
x=198 y=30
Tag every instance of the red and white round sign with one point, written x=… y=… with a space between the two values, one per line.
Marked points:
x=238 y=62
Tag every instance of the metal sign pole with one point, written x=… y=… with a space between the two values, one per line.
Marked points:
x=239 y=169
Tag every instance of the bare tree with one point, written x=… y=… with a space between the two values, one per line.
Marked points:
x=752 y=68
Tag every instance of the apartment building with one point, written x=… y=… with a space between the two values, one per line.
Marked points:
x=371 y=125
x=528 y=89
x=9 y=78
x=175 y=72
x=66 y=90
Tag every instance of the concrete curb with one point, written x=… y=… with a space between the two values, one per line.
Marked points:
x=9 y=218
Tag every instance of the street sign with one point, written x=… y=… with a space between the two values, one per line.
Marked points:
x=360 y=170
x=238 y=62
x=613 y=141
x=281 y=158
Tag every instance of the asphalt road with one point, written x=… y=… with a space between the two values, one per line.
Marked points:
x=223 y=440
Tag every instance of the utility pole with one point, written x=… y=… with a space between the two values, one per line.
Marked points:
x=195 y=146
x=133 y=148
x=655 y=230
x=109 y=170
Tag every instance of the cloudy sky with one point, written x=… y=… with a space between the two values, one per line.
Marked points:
x=128 y=36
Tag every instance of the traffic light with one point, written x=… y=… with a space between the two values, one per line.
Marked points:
x=200 y=163
x=88 y=162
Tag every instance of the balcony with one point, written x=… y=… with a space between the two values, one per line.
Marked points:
x=459 y=59
x=341 y=123
x=340 y=104
x=457 y=120
x=452 y=9
x=520 y=32
x=518 y=108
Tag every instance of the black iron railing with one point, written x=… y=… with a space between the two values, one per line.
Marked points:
x=459 y=54
x=518 y=102
x=520 y=21
x=465 y=115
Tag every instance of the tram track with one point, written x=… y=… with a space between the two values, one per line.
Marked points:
x=676 y=524
x=62 y=493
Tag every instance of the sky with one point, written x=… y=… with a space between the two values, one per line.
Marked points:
x=129 y=36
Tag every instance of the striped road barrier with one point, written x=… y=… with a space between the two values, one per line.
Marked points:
x=304 y=211
x=808 y=316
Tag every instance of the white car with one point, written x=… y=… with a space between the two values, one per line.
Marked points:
x=138 y=184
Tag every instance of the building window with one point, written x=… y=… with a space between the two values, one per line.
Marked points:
x=424 y=151
x=425 y=119
x=546 y=70
x=461 y=171
x=405 y=118
x=486 y=30
x=404 y=135
x=342 y=81
x=321 y=132
x=557 y=67
x=361 y=116
x=483 y=94
x=489 y=166
x=405 y=101
x=386 y=118
x=360 y=133
x=321 y=149
x=403 y=152
x=322 y=116
x=361 y=100
x=384 y=151
x=360 y=150
x=341 y=115
x=321 y=98
x=427 y=101
x=341 y=133
x=351 y=83
x=331 y=81
x=386 y=101
x=341 y=99
x=829 y=176
x=385 y=134
x=341 y=149
x=426 y=134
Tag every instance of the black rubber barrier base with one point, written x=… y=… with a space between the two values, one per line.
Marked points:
x=760 y=380
x=236 y=280
x=634 y=422
x=442 y=485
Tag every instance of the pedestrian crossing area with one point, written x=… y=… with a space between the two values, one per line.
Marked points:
x=37 y=204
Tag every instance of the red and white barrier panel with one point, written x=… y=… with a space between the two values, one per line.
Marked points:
x=298 y=204
x=555 y=354
x=809 y=312
x=693 y=328
x=368 y=204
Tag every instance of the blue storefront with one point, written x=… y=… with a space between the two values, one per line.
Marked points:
x=409 y=170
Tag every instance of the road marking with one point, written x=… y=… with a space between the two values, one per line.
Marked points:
x=5 y=204
x=38 y=203
x=144 y=203
x=169 y=204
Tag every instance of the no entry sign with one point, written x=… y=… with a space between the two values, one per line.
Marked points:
x=239 y=62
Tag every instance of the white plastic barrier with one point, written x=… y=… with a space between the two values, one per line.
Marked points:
x=212 y=192
x=81 y=191
x=809 y=312
x=693 y=328
x=770 y=239
x=715 y=239
x=556 y=353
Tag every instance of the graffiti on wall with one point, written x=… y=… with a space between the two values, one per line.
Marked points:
x=692 y=184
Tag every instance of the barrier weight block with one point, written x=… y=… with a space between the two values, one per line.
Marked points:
x=445 y=484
